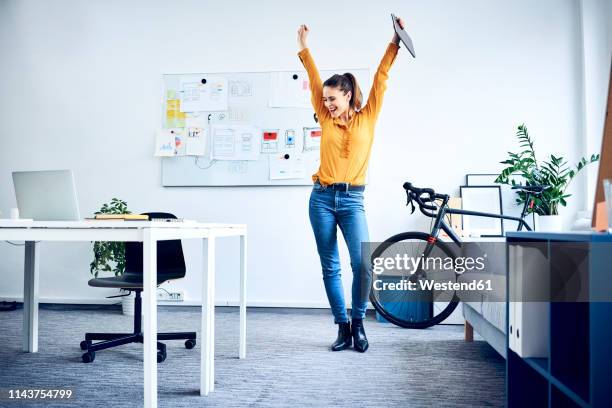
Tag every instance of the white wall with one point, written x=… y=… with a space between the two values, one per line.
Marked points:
x=597 y=55
x=81 y=85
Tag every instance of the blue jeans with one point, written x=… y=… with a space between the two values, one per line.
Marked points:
x=329 y=208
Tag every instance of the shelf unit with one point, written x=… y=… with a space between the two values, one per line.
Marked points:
x=578 y=369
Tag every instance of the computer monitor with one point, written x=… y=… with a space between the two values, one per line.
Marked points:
x=46 y=195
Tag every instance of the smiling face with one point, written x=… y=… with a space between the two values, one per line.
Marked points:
x=336 y=101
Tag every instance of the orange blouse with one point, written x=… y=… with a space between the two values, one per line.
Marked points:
x=345 y=148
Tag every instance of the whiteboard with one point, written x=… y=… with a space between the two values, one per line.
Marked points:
x=255 y=100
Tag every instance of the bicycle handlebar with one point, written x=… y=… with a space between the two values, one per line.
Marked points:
x=416 y=194
x=427 y=195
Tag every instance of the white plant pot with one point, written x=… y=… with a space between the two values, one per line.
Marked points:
x=127 y=304
x=549 y=223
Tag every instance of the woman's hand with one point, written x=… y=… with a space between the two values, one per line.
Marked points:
x=396 y=39
x=302 y=35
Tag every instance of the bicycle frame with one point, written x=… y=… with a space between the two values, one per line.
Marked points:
x=454 y=236
x=440 y=223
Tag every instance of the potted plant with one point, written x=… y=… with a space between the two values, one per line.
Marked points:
x=553 y=172
x=110 y=256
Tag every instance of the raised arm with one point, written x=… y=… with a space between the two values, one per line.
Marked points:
x=316 y=86
x=379 y=84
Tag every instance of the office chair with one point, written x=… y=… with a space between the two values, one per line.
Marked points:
x=170 y=265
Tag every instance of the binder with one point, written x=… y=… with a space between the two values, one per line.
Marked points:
x=514 y=256
x=529 y=328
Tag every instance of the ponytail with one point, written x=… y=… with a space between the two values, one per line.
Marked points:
x=347 y=83
x=356 y=97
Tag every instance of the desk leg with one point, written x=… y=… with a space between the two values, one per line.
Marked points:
x=30 y=297
x=149 y=300
x=207 y=358
x=243 y=281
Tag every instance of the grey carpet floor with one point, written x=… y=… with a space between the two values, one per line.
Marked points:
x=288 y=363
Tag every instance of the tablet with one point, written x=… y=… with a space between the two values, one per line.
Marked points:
x=404 y=37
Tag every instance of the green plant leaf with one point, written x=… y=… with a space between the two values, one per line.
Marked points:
x=554 y=172
x=109 y=256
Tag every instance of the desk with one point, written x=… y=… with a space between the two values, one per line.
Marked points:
x=147 y=232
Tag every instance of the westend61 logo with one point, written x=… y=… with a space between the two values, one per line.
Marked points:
x=412 y=264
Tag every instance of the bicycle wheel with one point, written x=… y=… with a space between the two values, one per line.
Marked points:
x=421 y=306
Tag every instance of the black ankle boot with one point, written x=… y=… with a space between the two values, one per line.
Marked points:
x=344 y=339
x=359 y=336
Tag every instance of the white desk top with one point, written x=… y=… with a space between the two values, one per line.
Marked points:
x=90 y=224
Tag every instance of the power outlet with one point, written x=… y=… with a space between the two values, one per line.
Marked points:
x=170 y=296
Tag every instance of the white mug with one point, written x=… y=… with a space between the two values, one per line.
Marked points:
x=14 y=213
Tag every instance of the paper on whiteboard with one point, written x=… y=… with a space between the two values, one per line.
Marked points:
x=235 y=142
x=289 y=138
x=240 y=88
x=287 y=92
x=195 y=143
x=164 y=143
x=174 y=116
x=195 y=122
x=238 y=115
x=203 y=93
x=283 y=169
x=179 y=134
x=269 y=142
x=312 y=138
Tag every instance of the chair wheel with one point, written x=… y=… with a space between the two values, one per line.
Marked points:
x=189 y=344
x=161 y=356
x=89 y=356
x=85 y=345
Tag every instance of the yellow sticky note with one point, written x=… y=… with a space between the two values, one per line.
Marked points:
x=174 y=116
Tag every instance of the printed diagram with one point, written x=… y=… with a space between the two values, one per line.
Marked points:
x=290 y=138
x=195 y=143
x=235 y=142
x=269 y=141
x=223 y=144
x=286 y=166
x=238 y=88
x=199 y=93
x=164 y=143
x=238 y=115
x=312 y=139
x=193 y=121
x=180 y=142
x=247 y=140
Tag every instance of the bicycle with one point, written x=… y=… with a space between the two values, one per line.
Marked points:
x=420 y=309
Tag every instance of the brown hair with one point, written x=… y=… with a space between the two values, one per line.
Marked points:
x=347 y=83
